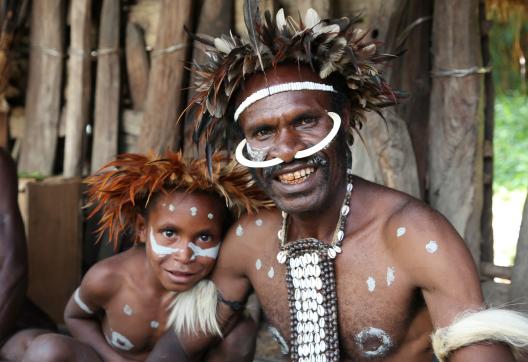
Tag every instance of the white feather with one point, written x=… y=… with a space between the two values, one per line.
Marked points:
x=194 y=311
x=280 y=19
x=492 y=325
x=311 y=18
x=223 y=45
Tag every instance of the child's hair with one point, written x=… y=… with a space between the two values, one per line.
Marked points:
x=122 y=189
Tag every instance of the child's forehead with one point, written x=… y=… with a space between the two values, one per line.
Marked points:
x=183 y=200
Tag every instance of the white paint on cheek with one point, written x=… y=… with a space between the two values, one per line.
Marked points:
x=391 y=275
x=80 y=303
x=127 y=310
x=371 y=284
x=209 y=253
x=369 y=335
x=154 y=324
x=160 y=249
x=401 y=231
x=258 y=222
x=239 y=230
x=210 y=216
x=271 y=273
x=119 y=341
x=193 y=210
x=172 y=208
x=258 y=264
x=431 y=247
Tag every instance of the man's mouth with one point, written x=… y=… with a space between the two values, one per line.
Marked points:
x=297 y=177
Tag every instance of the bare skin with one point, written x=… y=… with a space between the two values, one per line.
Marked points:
x=424 y=274
x=124 y=301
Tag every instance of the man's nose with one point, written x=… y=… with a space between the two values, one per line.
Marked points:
x=287 y=145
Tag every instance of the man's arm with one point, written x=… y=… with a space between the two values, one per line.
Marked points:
x=84 y=309
x=438 y=261
x=232 y=285
x=13 y=252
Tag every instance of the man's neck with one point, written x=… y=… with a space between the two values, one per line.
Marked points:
x=321 y=223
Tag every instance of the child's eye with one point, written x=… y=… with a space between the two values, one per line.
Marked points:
x=204 y=238
x=168 y=233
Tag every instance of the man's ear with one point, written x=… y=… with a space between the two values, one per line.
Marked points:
x=141 y=228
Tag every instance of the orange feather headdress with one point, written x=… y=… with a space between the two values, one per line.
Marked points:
x=121 y=189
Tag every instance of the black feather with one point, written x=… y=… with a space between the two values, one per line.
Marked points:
x=251 y=18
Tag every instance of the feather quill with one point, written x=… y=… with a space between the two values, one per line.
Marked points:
x=251 y=17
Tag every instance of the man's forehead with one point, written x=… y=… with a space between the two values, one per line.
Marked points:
x=284 y=73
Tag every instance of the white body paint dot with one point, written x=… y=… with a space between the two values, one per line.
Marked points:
x=371 y=284
x=154 y=324
x=127 y=310
x=431 y=247
x=210 y=216
x=119 y=341
x=194 y=211
x=258 y=264
x=258 y=222
x=239 y=230
x=369 y=335
x=172 y=207
x=391 y=275
x=271 y=273
x=401 y=231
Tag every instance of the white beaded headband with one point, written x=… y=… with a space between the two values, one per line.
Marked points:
x=285 y=87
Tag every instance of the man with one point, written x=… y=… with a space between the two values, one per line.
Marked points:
x=346 y=270
x=16 y=312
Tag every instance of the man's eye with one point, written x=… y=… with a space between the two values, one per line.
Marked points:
x=262 y=133
x=204 y=238
x=306 y=121
x=168 y=233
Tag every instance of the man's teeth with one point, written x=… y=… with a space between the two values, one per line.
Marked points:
x=297 y=176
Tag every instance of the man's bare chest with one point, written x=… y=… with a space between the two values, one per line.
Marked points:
x=375 y=301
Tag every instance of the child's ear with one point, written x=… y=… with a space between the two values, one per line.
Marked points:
x=141 y=228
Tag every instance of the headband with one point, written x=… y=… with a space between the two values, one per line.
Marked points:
x=279 y=88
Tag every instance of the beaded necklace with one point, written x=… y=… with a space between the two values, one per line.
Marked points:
x=311 y=283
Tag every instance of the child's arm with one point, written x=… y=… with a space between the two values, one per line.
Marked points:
x=83 y=311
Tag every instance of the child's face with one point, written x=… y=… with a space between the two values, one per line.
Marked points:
x=182 y=237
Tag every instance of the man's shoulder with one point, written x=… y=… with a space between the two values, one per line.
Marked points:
x=113 y=270
x=257 y=223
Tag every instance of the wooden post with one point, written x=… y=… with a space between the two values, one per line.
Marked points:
x=44 y=87
x=159 y=130
x=391 y=156
x=79 y=85
x=137 y=65
x=215 y=19
x=519 y=287
x=106 y=122
x=456 y=119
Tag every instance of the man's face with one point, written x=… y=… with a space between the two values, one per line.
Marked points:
x=285 y=123
x=182 y=236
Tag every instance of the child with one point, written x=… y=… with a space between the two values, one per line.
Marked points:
x=179 y=213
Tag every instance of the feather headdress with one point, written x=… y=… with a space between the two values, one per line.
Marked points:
x=329 y=46
x=121 y=189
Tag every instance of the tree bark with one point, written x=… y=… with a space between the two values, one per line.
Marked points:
x=456 y=128
x=160 y=130
x=519 y=287
x=137 y=65
x=106 y=123
x=44 y=87
x=79 y=85
x=215 y=19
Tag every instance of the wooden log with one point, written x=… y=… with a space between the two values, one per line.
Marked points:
x=519 y=290
x=106 y=121
x=392 y=159
x=137 y=65
x=160 y=130
x=79 y=86
x=495 y=294
x=44 y=87
x=495 y=271
x=215 y=19
x=53 y=222
x=456 y=120
x=489 y=115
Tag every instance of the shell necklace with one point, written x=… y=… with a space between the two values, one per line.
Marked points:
x=311 y=284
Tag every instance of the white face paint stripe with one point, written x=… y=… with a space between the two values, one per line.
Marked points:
x=209 y=253
x=160 y=249
x=80 y=303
